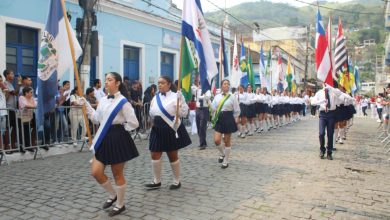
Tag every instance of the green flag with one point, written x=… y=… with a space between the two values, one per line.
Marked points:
x=251 y=75
x=289 y=76
x=187 y=66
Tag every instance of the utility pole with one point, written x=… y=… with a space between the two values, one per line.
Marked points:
x=87 y=22
x=306 y=55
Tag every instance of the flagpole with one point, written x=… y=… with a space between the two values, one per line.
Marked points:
x=220 y=60
x=179 y=81
x=76 y=72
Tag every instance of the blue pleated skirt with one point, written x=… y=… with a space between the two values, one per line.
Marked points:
x=163 y=137
x=226 y=123
x=116 y=147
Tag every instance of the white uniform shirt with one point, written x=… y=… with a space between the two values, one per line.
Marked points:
x=231 y=104
x=320 y=99
x=125 y=116
x=169 y=101
x=199 y=96
x=242 y=97
x=250 y=99
x=98 y=93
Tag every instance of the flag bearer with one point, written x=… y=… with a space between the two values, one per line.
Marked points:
x=226 y=111
x=167 y=134
x=112 y=144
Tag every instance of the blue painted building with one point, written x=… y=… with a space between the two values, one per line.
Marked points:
x=137 y=38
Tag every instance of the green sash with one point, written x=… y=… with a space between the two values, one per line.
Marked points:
x=218 y=112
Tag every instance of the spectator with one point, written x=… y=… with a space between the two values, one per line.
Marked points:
x=379 y=106
x=148 y=96
x=11 y=96
x=136 y=101
x=98 y=90
x=26 y=105
x=26 y=82
x=364 y=104
x=3 y=113
x=76 y=115
x=127 y=85
x=91 y=98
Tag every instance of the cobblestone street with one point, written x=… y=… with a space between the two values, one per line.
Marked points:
x=276 y=175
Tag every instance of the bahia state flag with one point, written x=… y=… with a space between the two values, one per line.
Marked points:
x=54 y=58
x=188 y=65
x=194 y=27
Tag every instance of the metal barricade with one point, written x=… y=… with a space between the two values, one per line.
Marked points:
x=19 y=131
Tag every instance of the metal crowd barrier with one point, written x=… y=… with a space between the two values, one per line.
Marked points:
x=19 y=131
x=64 y=125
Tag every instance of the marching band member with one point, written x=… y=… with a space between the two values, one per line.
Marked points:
x=226 y=111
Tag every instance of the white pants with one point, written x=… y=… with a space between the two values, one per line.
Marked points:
x=192 y=118
x=76 y=119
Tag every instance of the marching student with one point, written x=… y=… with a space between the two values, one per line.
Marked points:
x=202 y=112
x=226 y=110
x=326 y=99
x=112 y=144
x=251 y=110
x=168 y=133
x=242 y=120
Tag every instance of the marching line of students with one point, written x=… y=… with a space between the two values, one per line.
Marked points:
x=245 y=112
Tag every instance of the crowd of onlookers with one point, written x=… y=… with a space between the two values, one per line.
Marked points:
x=63 y=124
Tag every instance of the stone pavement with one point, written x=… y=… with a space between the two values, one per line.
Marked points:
x=276 y=175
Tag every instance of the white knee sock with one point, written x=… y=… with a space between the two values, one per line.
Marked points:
x=239 y=128
x=336 y=132
x=157 y=166
x=120 y=191
x=108 y=187
x=258 y=123
x=227 y=154
x=220 y=149
x=176 y=172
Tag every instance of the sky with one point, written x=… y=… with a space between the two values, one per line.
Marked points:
x=207 y=7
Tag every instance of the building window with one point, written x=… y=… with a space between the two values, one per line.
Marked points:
x=131 y=62
x=167 y=64
x=21 y=51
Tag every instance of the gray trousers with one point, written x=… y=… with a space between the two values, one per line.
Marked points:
x=202 y=117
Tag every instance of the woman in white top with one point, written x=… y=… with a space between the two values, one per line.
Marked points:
x=112 y=143
x=379 y=106
x=168 y=133
x=226 y=110
x=76 y=116
x=242 y=119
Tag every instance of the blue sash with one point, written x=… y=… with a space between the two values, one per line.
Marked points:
x=170 y=117
x=105 y=125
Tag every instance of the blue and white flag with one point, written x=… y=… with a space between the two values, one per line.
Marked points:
x=262 y=69
x=357 y=79
x=54 y=58
x=194 y=27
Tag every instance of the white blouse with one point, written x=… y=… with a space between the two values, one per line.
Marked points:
x=169 y=101
x=231 y=104
x=125 y=116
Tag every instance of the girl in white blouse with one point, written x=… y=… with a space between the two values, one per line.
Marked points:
x=112 y=143
x=226 y=111
x=168 y=134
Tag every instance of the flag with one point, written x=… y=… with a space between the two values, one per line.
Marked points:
x=262 y=69
x=222 y=59
x=54 y=58
x=289 y=76
x=277 y=80
x=187 y=67
x=194 y=27
x=236 y=75
x=251 y=75
x=323 y=61
x=340 y=51
x=243 y=63
x=268 y=71
x=357 y=78
x=329 y=40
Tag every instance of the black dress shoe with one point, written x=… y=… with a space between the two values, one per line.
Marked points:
x=333 y=149
x=9 y=152
x=22 y=151
x=153 y=185
x=202 y=147
x=109 y=203
x=46 y=148
x=329 y=157
x=224 y=166
x=31 y=150
x=115 y=211
x=174 y=186
x=220 y=159
x=322 y=155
